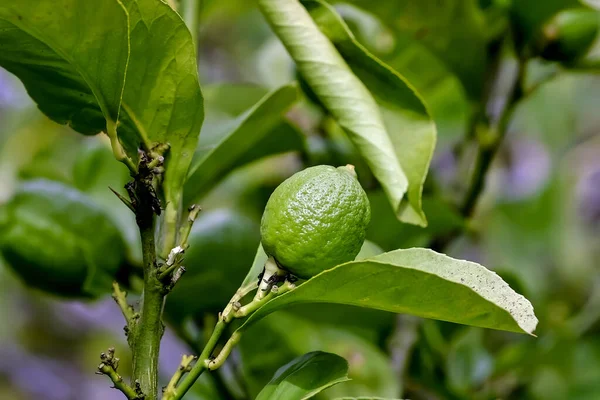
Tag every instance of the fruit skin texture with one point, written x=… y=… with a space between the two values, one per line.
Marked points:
x=315 y=220
x=56 y=239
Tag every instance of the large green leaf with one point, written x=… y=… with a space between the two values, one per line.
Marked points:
x=162 y=101
x=258 y=132
x=340 y=91
x=419 y=282
x=281 y=337
x=406 y=118
x=306 y=376
x=72 y=58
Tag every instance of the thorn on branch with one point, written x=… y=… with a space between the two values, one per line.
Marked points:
x=184 y=232
x=128 y=203
x=120 y=298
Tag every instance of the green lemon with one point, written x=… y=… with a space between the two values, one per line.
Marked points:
x=58 y=240
x=315 y=220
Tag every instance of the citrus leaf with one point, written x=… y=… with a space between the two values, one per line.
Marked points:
x=407 y=120
x=305 y=376
x=340 y=91
x=279 y=338
x=258 y=132
x=419 y=282
x=72 y=58
x=162 y=102
x=257 y=266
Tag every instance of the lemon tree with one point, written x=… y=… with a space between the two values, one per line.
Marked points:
x=128 y=70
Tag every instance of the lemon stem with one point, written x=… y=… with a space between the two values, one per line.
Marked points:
x=272 y=270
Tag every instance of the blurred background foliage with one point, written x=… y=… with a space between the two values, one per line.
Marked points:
x=537 y=223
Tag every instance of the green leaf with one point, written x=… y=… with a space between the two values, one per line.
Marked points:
x=306 y=376
x=258 y=132
x=162 y=101
x=72 y=58
x=257 y=266
x=468 y=364
x=338 y=88
x=419 y=282
x=453 y=30
x=407 y=120
x=283 y=336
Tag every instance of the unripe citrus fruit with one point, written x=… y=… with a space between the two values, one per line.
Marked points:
x=315 y=220
x=56 y=239
x=569 y=35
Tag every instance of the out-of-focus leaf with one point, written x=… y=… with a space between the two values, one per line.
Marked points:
x=419 y=282
x=162 y=102
x=440 y=88
x=305 y=376
x=368 y=250
x=468 y=364
x=72 y=58
x=258 y=132
x=222 y=244
x=407 y=121
x=284 y=336
x=453 y=30
x=391 y=234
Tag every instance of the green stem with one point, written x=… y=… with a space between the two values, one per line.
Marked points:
x=489 y=148
x=149 y=330
x=201 y=364
x=169 y=233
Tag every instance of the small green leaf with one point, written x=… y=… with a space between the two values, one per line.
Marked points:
x=305 y=376
x=162 y=102
x=257 y=266
x=419 y=282
x=407 y=120
x=281 y=337
x=338 y=88
x=72 y=58
x=258 y=132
